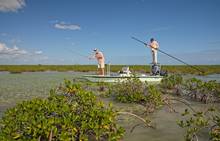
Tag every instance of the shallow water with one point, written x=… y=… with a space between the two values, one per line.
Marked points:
x=18 y=87
x=165 y=123
x=205 y=78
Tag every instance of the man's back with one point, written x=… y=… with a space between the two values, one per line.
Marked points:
x=100 y=57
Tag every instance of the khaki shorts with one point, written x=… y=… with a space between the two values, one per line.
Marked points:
x=101 y=66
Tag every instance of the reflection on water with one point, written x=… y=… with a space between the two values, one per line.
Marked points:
x=18 y=87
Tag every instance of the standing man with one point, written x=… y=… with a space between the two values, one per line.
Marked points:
x=101 y=61
x=154 y=46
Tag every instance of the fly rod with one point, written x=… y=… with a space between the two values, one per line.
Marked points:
x=82 y=55
x=75 y=52
x=170 y=56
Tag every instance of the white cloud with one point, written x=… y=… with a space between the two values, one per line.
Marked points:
x=16 y=55
x=11 y=5
x=14 y=51
x=38 y=52
x=65 y=26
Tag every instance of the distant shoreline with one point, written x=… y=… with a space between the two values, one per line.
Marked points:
x=208 y=69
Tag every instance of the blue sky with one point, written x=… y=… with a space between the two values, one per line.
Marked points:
x=65 y=31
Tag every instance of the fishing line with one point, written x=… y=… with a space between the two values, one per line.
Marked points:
x=75 y=52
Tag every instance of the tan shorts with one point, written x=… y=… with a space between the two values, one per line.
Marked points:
x=101 y=66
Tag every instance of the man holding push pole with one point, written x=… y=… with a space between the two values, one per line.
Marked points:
x=154 y=46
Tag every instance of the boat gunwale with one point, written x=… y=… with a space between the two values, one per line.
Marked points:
x=123 y=77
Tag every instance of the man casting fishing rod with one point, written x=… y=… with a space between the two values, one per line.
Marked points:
x=101 y=61
x=98 y=55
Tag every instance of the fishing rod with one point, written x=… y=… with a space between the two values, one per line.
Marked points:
x=75 y=52
x=82 y=55
x=170 y=55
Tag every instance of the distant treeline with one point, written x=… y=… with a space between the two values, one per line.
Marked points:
x=208 y=69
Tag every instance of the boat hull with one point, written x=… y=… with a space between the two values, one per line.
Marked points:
x=113 y=79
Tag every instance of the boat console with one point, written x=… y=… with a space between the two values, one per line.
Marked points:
x=125 y=71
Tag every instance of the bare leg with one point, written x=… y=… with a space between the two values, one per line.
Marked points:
x=153 y=57
x=102 y=71
x=99 y=71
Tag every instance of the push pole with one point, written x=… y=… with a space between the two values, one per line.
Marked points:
x=170 y=56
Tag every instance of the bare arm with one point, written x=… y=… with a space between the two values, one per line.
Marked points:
x=92 y=57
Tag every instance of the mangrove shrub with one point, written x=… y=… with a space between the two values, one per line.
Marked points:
x=134 y=91
x=71 y=114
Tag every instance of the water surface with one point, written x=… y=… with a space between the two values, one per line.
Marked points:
x=18 y=87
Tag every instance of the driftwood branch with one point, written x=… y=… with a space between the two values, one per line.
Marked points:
x=184 y=102
x=196 y=137
x=39 y=138
x=138 y=117
x=167 y=102
x=132 y=129
x=51 y=135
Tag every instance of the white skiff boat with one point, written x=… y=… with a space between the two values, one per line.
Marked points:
x=124 y=75
x=121 y=78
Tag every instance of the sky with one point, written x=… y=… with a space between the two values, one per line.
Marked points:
x=67 y=31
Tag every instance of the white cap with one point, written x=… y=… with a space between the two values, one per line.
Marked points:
x=95 y=49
